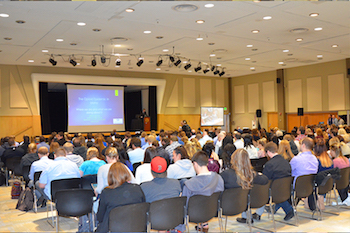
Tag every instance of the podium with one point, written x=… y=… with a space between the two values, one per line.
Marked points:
x=147 y=124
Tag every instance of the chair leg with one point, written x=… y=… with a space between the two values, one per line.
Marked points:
x=294 y=206
x=57 y=221
x=35 y=201
x=272 y=214
x=249 y=217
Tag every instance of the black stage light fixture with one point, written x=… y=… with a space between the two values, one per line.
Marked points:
x=52 y=61
x=160 y=61
x=118 y=62
x=187 y=66
x=212 y=68
x=71 y=61
x=178 y=62
x=93 y=62
x=103 y=59
x=216 y=71
x=140 y=62
x=172 y=59
x=222 y=73
x=198 y=68
x=206 y=70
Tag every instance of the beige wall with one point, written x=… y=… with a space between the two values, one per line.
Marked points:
x=18 y=94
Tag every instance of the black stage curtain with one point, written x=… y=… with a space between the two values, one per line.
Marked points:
x=44 y=108
x=132 y=107
x=58 y=111
x=152 y=97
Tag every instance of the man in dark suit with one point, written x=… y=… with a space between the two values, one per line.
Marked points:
x=277 y=167
x=12 y=151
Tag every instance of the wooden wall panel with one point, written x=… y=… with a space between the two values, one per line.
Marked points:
x=19 y=126
x=172 y=122
x=307 y=119
x=272 y=120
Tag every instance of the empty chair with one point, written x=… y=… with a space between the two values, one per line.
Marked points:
x=168 y=213
x=73 y=203
x=202 y=208
x=233 y=201
x=304 y=187
x=280 y=191
x=258 y=197
x=13 y=165
x=129 y=218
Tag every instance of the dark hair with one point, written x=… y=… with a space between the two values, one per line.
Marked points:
x=165 y=142
x=150 y=153
x=320 y=146
x=208 y=148
x=135 y=141
x=238 y=135
x=201 y=158
x=302 y=130
x=42 y=139
x=123 y=155
x=227 y=140
x=248 y=142
x=161 y=152
x=228 y=150
x=181 y=150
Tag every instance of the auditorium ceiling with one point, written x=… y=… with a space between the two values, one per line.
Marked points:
x=233 y=38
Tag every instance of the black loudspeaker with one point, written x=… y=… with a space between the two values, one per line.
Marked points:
x=258 y=112
x=278 y=80
x=300 y=111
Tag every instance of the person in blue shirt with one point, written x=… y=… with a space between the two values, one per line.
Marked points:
x=92 y=164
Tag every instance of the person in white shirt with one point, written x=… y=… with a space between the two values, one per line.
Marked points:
x=249 y=147
x=137 y=154
x=182 y=167
x=40 y=164
x=143 y=172
x=220 y=138
x=205 y=138
x=239 y=143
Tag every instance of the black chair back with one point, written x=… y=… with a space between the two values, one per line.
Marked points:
x=167 y=213
x=258 y=164
x=325 y=188
x=87 y=180
x=304 y=185
x=203 y=208
x=74 y=202
x=25 y=172
x=259 y=195
x=343 y=182
x=281 y=189
x=13 y=164
x=129 y=218
x=134 y=167
x=62 y=184
x=37 y=176
x=234 y=201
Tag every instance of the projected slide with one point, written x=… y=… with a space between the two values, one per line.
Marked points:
x=95 y=108
x=212 y=116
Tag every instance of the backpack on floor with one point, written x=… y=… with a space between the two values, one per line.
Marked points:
x=16 y=190
x=26 y=200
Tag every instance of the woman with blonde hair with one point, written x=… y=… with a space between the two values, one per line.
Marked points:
x=241 y=174
x=119 y=186
x=320 y=150
x=285 y=151
x=190 y=148
x=92 y=163
x=53 y=147
x=261 y=145
x=197 y=144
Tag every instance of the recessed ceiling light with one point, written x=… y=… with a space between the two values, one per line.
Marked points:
x=200 y=21
x=319 y=56
x=190 y=71
x=299 y=39
x=117 y=66
x=3 y=15
x=129 y=10
x=318 y=29
x=218 y=64
x=59 y=40
x=255 y=31
x=267 y=17
x=249 y=45
x=30 y=60
x=185 y=62
x=20 y=21
x=281 y=62
x=199 y=38
x=212 y=55
x=209 y=5
x=147 y=32
x=157 y=68
x=96 y=30
x=117 y=45
x=7 y=38
x=165 y=50
x=81 y=24
x=313 y=14
x=285 y=50
x=78 y=64
x=334 y=46
x=252 y=68
x=45 y=51
x=247 y=58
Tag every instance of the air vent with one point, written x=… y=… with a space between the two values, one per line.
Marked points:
x=298 y=30
x=119 y=39
x=185 y=8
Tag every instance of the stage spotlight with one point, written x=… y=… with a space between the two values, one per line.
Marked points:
x=103 y=59
x=187 y=66
x=198 y=68
x=172 y=59
x=52 y=61
x=216 y=71
x=140 y=62
x=178 y=62
x=212 y=68
x=93 y=62
x=118 y=62
x=206 y=70
x=71 y=61
x=160 y=61
x=222 y=73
